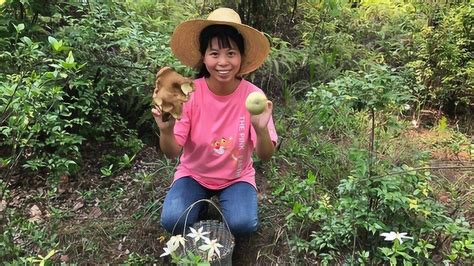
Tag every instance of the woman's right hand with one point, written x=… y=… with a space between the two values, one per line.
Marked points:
x=168 y=144
x=165 y=127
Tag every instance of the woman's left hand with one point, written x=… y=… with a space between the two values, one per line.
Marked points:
x=260 y=122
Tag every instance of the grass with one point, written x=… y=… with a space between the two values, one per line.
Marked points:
x=108 y=239
x=115 y=219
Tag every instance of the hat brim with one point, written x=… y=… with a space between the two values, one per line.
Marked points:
x=185 y=44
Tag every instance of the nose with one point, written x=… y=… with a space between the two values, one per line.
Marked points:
x=222 y=61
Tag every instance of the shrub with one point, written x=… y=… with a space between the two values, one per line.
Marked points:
x=443 y=60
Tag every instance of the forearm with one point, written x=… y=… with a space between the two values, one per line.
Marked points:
x=264 y=147
x=168 y=144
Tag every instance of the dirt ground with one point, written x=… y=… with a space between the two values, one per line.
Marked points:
x=115 y=219
x=111 y=219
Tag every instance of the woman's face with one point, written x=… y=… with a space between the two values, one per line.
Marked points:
x=222 y=63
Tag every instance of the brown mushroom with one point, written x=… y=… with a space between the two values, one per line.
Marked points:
x=171 y=91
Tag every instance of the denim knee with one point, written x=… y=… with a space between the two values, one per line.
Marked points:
x=168 y=221
x=183 y=193
x=172 y=211
x=243 y=226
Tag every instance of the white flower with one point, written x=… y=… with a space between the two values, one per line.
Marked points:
x=395 y=235
x=199 y=234
x=174 y=242
x=168 y=251
x=212 y=247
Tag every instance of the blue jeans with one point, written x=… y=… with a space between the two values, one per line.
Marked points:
x=238 y=203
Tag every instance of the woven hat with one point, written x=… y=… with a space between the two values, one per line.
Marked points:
x=185 y=40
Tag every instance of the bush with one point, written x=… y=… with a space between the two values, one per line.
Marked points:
x=90 y=82
x=444 y=59
x=346 y=188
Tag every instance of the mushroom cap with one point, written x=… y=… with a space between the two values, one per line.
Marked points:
x=172 y=90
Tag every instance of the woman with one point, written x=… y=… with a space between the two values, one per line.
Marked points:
x=216 y=134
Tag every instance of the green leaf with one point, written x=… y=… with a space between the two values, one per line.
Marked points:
x=405 y=255
x=27 y=40
x=311 y=178
x=126 y=158
x=386 y=251
x=279 y=190
x=297 y=207
x=19 y=27
x=393 y=260
x=70 y=58
x=453 y=256
x=57 y=45
x=52 y=40
x=69 y=63
x=50 y=254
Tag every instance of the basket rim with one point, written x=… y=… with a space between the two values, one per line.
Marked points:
x=188 y=210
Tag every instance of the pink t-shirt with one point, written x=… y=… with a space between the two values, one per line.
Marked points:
x=217 y=137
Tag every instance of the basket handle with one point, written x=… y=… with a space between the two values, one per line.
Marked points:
x=188 y=210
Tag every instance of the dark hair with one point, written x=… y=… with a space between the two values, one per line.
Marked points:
x=224 y=34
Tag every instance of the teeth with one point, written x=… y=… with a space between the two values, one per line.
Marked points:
x=223 y=72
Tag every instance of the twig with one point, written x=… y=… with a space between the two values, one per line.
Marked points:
x=295 y=5
x=372 y=141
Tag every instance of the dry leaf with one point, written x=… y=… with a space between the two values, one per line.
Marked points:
x=35 y=211
x=77 y=206
x=63 y=182
x=95 y=212
x=64 y=258
x=3 y=205
x=16 y=202
x=35 y=214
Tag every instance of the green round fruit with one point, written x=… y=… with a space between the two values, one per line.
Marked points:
x=256 y=103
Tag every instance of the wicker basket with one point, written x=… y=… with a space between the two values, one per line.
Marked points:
x=217 y=230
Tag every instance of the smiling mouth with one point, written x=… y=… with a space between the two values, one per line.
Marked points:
x=223 y=72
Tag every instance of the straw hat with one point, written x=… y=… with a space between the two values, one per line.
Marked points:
x=185 y=40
